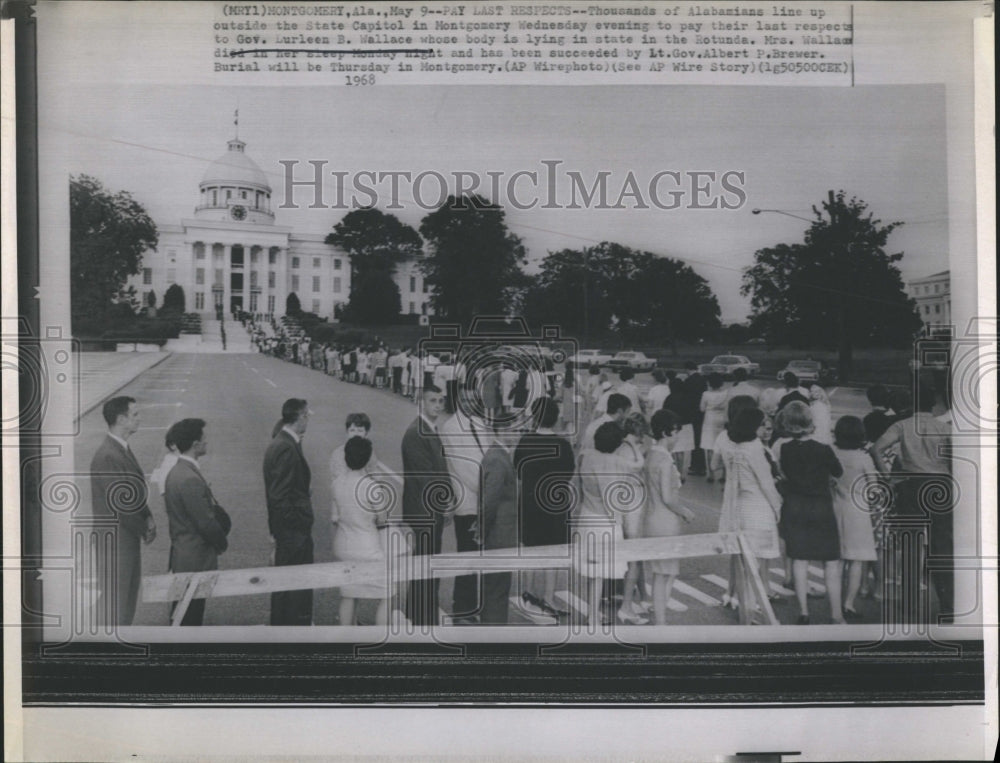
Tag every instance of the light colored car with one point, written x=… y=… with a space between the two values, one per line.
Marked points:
x=809 y=370
x=726 y=364
x=586 y=358
x=637 y=361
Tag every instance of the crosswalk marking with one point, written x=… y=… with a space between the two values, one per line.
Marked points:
x=515 y=603
x=721 y=582
x=781 y=589
x=694 y=593
x=580 y=606
x=813 y=570
x=574 y=601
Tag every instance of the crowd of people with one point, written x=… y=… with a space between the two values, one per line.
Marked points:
x=529 y=460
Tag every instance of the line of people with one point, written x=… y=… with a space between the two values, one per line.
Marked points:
x=543 y=479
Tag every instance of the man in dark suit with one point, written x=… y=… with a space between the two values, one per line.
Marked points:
x=427 y=498
x=119 y=490
x=197 y=530
x=289 y=509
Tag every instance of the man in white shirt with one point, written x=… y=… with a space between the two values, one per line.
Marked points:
x=619 y=408
x=465 y=439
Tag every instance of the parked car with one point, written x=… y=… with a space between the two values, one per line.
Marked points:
x=586 y=358
x=637 y=361
x=726 y=364
x=809 y=370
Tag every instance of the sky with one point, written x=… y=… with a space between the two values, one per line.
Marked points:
x=883 y=144
x=121 y=97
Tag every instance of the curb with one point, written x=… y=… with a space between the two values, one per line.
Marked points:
x=122 y=386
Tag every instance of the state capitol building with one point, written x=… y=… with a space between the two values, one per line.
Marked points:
x=231 y=254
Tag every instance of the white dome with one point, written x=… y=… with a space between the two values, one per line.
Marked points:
x=235 y=168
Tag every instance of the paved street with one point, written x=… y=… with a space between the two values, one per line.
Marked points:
x=240 y=396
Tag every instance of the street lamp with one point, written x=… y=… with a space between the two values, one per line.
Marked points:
x=780 y=212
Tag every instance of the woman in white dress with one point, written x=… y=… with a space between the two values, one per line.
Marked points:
x=359 y=517
x=751 y=503
x=717 y=465
x=819 y=406
x=852 y=504
x=633 y=452
x=608 y=490
x=713 y=405
x=664 y=513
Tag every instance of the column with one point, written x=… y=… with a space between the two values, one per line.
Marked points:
x=247 y=267
x=283 y=287
x=227 y=275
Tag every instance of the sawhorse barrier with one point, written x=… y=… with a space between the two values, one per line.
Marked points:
x=183 y=587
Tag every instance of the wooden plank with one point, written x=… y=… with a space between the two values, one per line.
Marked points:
x=182 y=606
x=258 y=580
x=753 y=574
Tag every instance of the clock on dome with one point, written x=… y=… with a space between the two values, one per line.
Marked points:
x=238 y=212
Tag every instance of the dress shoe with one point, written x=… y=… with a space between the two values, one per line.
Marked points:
x=630 y=618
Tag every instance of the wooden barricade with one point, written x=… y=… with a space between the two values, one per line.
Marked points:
x=183 y=587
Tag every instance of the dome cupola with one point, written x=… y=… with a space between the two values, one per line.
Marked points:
x=234 y=188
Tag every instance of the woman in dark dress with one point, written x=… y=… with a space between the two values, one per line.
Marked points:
x=544 y=463
x=808 y=523
x=519 y=394
x=684 y=409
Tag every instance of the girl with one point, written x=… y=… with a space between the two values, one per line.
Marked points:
x=663 y=514
x=851 y=504
x=808 y=524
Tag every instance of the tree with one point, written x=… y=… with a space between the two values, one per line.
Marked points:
x=108 y=234
x=292 y=304
x=375 y=299
x=644 y=295
x=672 y=302
x=839 y=288
x=474 y=263
x=151 y=299
x=173 y=299
x=376 y=243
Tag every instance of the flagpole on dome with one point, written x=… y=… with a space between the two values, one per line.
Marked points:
x=236 y=119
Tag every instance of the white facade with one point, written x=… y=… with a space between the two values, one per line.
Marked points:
x=232 y=255
x=933 y=298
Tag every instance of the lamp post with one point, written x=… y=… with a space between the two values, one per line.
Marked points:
x=781 y=212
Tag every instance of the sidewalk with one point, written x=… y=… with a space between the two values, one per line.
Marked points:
x=99 y=375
